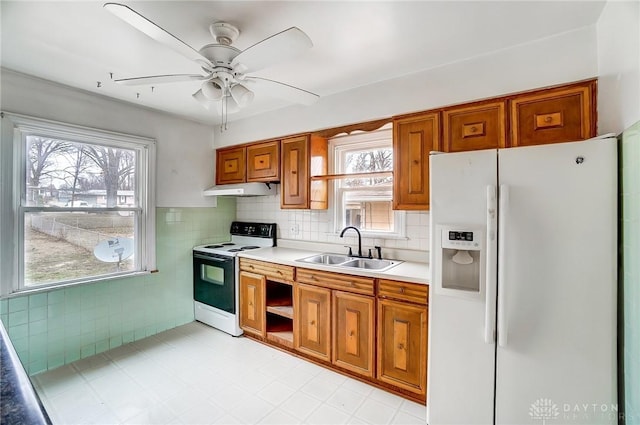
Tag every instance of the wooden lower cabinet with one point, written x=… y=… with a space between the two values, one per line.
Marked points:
x=402 y=345
x=252 y=303
x=353 y=332
x=312 y=315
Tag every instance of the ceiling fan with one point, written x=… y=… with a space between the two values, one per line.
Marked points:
x=225 y=83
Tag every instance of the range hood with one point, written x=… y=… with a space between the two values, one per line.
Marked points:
x=241 y=189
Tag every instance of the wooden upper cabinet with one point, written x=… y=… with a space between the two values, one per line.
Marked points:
x=302 y=157
x=230 y=165
x=413 y=139
x=474 y=127
x=263 y=162
x=555 y=115
x=312 y=321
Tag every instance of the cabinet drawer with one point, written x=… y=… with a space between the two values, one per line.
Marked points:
x=272 y=270
x=474 y=127
x=344 y=282
x=553 y=116
x=404 y=291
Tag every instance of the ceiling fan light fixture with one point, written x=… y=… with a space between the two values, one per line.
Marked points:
x=202 y=99
x=213 y=89
x=242 y=95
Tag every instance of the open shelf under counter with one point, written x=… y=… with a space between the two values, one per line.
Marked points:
x=281 y=310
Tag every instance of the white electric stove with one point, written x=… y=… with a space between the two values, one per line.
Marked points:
x=215 y=274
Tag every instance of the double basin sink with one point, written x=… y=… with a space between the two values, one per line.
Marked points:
x=338 y=260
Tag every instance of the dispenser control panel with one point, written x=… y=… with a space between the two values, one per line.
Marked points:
x=460 y=239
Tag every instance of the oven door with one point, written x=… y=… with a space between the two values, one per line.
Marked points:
x=214 y=281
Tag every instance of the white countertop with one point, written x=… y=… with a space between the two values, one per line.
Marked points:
x=408 y=271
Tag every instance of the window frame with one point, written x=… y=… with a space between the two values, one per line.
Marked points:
x=25 y=126
x=338 y=147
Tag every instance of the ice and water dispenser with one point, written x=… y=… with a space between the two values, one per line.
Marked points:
x=459 y=261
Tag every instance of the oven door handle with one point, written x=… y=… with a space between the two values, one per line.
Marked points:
x=218 y=259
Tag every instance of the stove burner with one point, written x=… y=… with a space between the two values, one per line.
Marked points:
x=213 y=246
x=249 y=247
x=228 y=243
x=234 y=250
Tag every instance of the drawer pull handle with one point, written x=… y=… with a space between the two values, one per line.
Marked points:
x=251 y=266
x=313 y=277
x=280 y=272
x=401 y=290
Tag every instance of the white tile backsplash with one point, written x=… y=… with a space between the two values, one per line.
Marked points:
x=316 y=226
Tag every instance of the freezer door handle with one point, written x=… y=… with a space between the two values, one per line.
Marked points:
x=502 y=249
x=491 y=279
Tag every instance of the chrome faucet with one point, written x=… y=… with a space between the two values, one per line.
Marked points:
x=359 y=239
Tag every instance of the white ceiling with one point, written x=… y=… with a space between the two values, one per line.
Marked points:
x=356 y=43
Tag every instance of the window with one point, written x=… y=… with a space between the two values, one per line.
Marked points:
x=364 y=201
x=84 y=205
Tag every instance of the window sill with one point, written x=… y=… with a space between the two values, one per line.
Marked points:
x=56 y=286
x=371 y=235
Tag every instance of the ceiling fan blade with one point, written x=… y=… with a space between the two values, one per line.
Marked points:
x=277 y=48
x=283 y=91
x=161 y=79
x=154 y=31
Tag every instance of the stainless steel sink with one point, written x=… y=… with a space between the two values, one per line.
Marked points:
x=331 y=259
x=370 y=264
x=339 y=260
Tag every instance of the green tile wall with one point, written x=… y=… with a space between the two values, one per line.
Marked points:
x=50 y=329
x=630 y=270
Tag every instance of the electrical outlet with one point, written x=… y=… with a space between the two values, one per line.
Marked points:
x=294 y=229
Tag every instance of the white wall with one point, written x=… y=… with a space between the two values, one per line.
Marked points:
x=618 y=66
x=563 y=58
x=185 y=153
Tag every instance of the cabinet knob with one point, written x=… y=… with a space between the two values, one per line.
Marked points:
x=548 y=119
x=294 y=172
x=313 y=277
x=401 y=290
x=312 y=323
x=251 y=266
x=351 y=333
x=400 y=346
x=474 y=129
x=280 y=272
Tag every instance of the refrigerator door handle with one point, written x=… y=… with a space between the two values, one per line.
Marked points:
x=502 y=249
x=490 y=306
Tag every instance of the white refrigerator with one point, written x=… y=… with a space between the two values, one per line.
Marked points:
x=522 y=302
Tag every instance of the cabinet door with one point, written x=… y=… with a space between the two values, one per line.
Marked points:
x=295 y=173
x=263 y=162
x=312 y=315
x=402 y=345
x=230 y=166
x=252 y=303
x=553 y=116
x=353 y=332
x=474 y=127
x=413 y=139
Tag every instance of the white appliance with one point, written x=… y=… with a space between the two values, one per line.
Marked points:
x=522 y=303
x=215 y=274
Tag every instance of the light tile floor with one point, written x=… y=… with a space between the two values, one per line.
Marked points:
x=195 y=374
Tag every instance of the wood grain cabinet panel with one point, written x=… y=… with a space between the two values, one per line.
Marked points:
x=263 y=162
x=230 y=165
x=252 y=303
x=413 y=139
x=311 y=321
x=402 y=345
x=403 y=291
x=353 y=332
x=303 y=157
x=474 y=127
x=563 y=114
